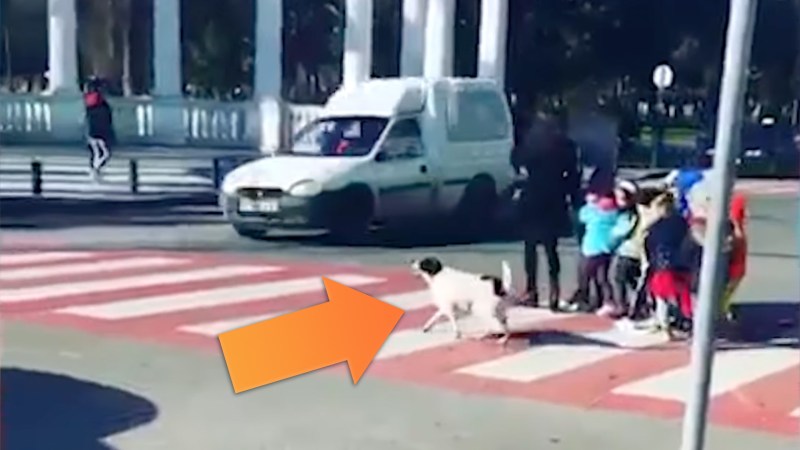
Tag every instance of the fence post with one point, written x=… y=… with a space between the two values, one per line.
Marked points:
x=134 y=175
x=215 y=172
x=36 y=177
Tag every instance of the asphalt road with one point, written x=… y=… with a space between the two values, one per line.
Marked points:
x=192 y=223
x=69 y=389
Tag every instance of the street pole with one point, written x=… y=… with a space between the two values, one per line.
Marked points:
x=741 y=22
x=658 y=129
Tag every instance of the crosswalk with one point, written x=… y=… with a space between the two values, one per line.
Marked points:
x=180 y=298
x=69 y=176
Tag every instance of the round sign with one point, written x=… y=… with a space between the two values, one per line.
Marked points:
x=663 y=76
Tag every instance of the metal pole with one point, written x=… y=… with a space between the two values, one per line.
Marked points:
x=657 y=134
x=741 y=23
x=216 y=173
x=133 y=170
x=36 y=177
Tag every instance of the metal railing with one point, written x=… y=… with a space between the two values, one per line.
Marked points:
x=132 y=177
x=37 y=119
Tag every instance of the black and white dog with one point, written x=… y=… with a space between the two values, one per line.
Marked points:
x=456 y=292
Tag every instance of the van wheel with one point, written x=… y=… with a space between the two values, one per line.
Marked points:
x=351 y=215
x=476 y=213
x=250 y=231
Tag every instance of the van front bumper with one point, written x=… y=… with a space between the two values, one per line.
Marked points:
x=292 y=212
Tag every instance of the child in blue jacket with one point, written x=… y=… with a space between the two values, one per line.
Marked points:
x=599 y=217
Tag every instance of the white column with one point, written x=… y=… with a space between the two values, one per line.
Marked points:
x=412 y=45
x=493 y=40
x=268 y=83
x=357 y=58
x=167 y=48
x=269 y=48
x=168 y=108
x=62 y=30
x=440 y=38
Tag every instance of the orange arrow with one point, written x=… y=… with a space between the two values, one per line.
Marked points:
x=351 y=326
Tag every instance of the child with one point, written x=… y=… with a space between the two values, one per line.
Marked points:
x=737 y=266
x=699 y=202
x=599 y=216
x=629 y=242
x=682 y=181
x=669 y=282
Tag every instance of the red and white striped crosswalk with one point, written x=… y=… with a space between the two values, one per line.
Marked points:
x=584 y=361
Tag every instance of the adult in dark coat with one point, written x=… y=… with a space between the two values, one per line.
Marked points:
x=548 y=165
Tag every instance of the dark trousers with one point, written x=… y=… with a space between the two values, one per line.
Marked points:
x=550 y=245
x=626 y=279
x=596 y=268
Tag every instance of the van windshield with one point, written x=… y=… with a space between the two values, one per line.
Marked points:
x=340 y=136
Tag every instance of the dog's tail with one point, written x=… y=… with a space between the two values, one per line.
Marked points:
x=507 y=282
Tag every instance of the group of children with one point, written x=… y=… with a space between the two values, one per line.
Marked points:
x=653 y=240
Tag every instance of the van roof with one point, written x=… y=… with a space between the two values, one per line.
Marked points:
x=387 y=97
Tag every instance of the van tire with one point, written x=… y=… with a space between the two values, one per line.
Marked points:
x=351 y=216
x=477 y=210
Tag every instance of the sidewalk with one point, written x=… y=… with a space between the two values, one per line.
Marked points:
x=162 y=171
x=131 y=152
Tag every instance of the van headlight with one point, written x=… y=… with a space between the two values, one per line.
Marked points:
x=305 y=188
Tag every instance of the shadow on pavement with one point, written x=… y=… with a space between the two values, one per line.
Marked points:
x=46 y=411
x=412 y=237
x=773 y=323
x=774 y=255
x=759 y=325
x=58 y=213
x=26 y=213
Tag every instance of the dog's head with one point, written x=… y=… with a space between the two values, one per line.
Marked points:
x=427 y=268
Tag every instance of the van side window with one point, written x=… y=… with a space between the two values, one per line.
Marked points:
x=404 y=140
x=404 y=129
x=476 y=115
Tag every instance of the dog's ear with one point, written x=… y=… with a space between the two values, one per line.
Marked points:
x=431 y=266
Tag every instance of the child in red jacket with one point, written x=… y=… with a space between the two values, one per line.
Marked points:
x=737 y=266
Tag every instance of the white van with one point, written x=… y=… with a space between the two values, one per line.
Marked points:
x=385 y=152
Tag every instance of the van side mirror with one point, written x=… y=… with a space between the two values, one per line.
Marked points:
x=381 y=156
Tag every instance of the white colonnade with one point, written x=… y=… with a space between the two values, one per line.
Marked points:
x=62 y=28
x=168 y=79
x=492 y=46
x=427 y=47
x=412 y=42
x=427 y=43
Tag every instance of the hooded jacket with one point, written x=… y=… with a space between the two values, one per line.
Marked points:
x=600 y=218
x=99 y=118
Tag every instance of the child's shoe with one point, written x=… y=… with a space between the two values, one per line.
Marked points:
x=606 y=311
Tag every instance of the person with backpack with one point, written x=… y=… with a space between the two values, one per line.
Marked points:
x=100 y=135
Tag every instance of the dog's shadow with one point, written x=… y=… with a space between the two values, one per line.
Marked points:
x=546 y=337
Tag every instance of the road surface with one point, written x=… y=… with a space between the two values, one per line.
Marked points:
x=115 y=315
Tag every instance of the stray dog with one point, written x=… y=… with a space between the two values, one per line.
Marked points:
x=458 y=292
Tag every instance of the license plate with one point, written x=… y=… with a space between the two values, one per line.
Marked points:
x=263 y=205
